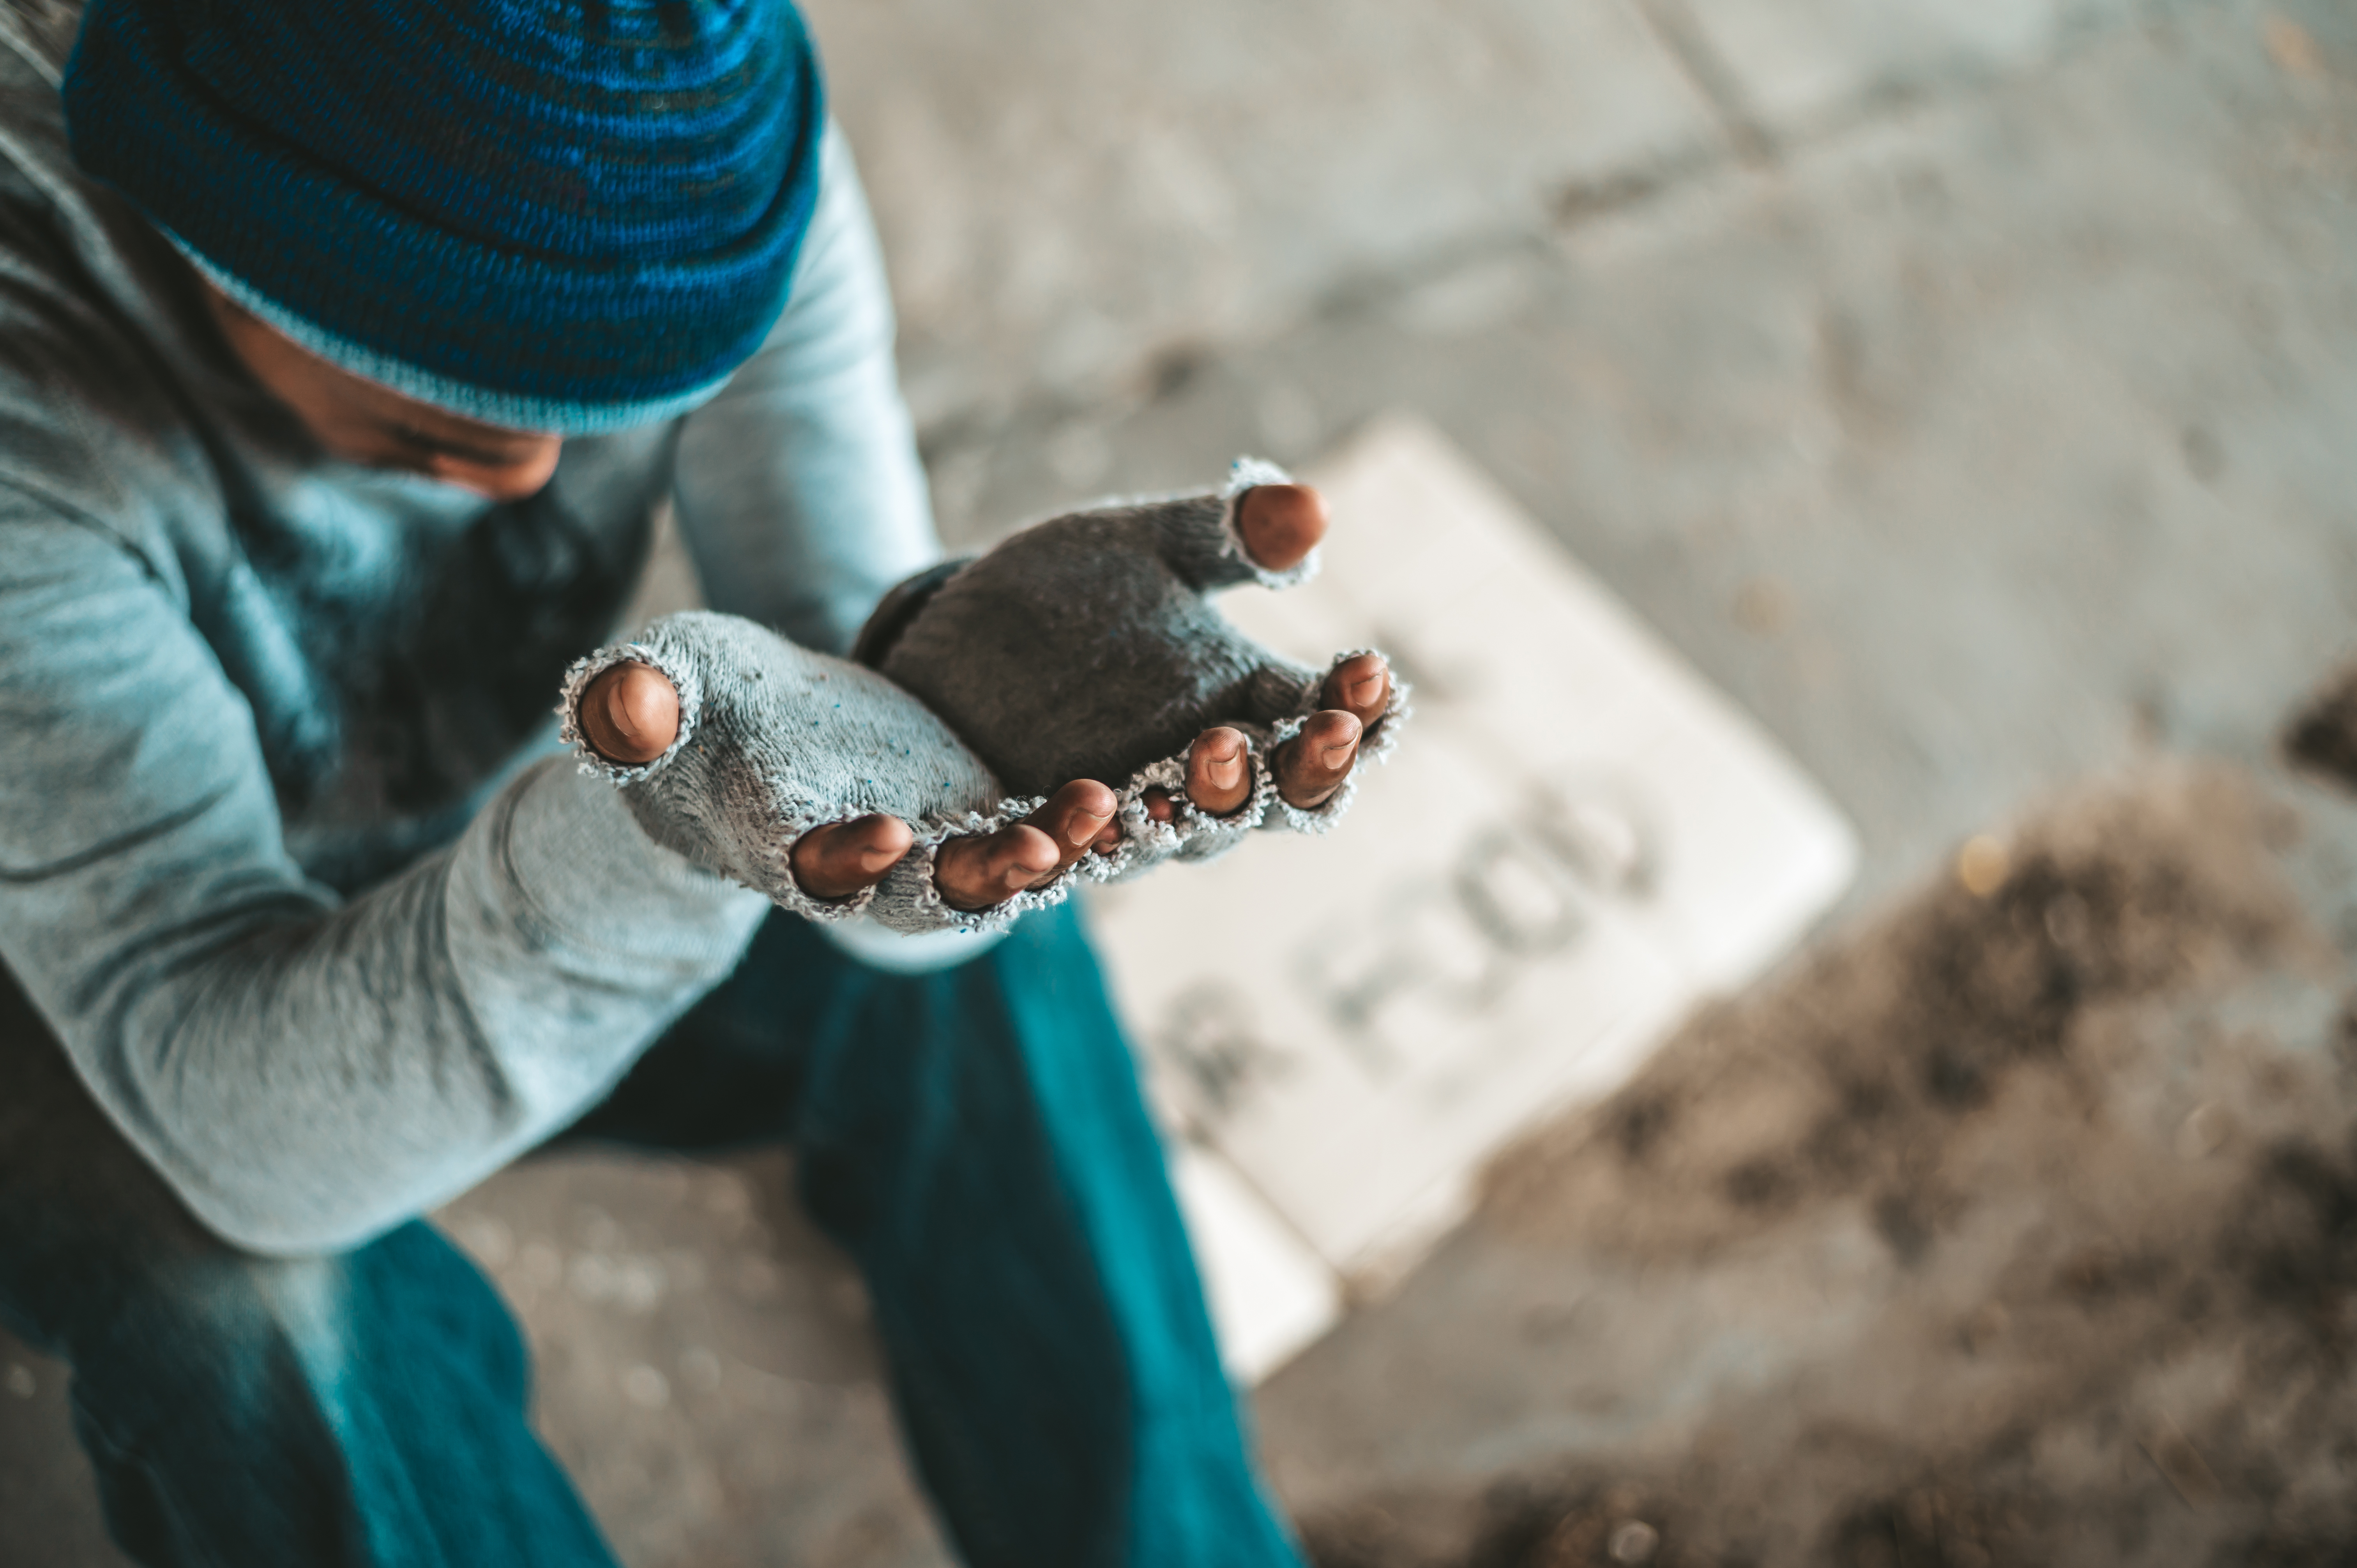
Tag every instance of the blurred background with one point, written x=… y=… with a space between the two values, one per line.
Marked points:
x=1967 y=389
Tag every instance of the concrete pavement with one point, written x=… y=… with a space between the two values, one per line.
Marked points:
x=1967 y=389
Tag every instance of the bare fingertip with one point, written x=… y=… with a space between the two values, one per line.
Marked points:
x=1362 y=685
x=1281 y=525
x=887 y=842
x=1333 y=726
x=1031 y=851
x=629 y=714
x=647 y=705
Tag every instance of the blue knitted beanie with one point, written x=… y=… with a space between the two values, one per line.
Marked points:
x=548 y=216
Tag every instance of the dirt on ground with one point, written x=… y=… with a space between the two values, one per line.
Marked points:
x=2092 y=1098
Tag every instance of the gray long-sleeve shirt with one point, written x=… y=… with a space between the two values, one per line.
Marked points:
x=284 y=862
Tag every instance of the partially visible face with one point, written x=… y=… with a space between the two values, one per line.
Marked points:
x=376 y=427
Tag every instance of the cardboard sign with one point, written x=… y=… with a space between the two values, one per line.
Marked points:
x=1576 y=841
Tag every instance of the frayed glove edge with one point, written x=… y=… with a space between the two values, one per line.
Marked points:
x=1246 y=474
x=584 y=669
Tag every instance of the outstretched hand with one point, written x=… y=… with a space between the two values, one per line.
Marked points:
x=629 y=714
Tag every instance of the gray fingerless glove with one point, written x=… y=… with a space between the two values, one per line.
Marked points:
x=1083 y=647
x=1086 y=647
x=775 y=740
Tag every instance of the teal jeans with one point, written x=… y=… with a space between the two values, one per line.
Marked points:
x=974 y=1138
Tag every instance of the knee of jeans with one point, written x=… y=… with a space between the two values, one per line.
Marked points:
x=210 y=1366
x=235 y=1337
x=297 y=1303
